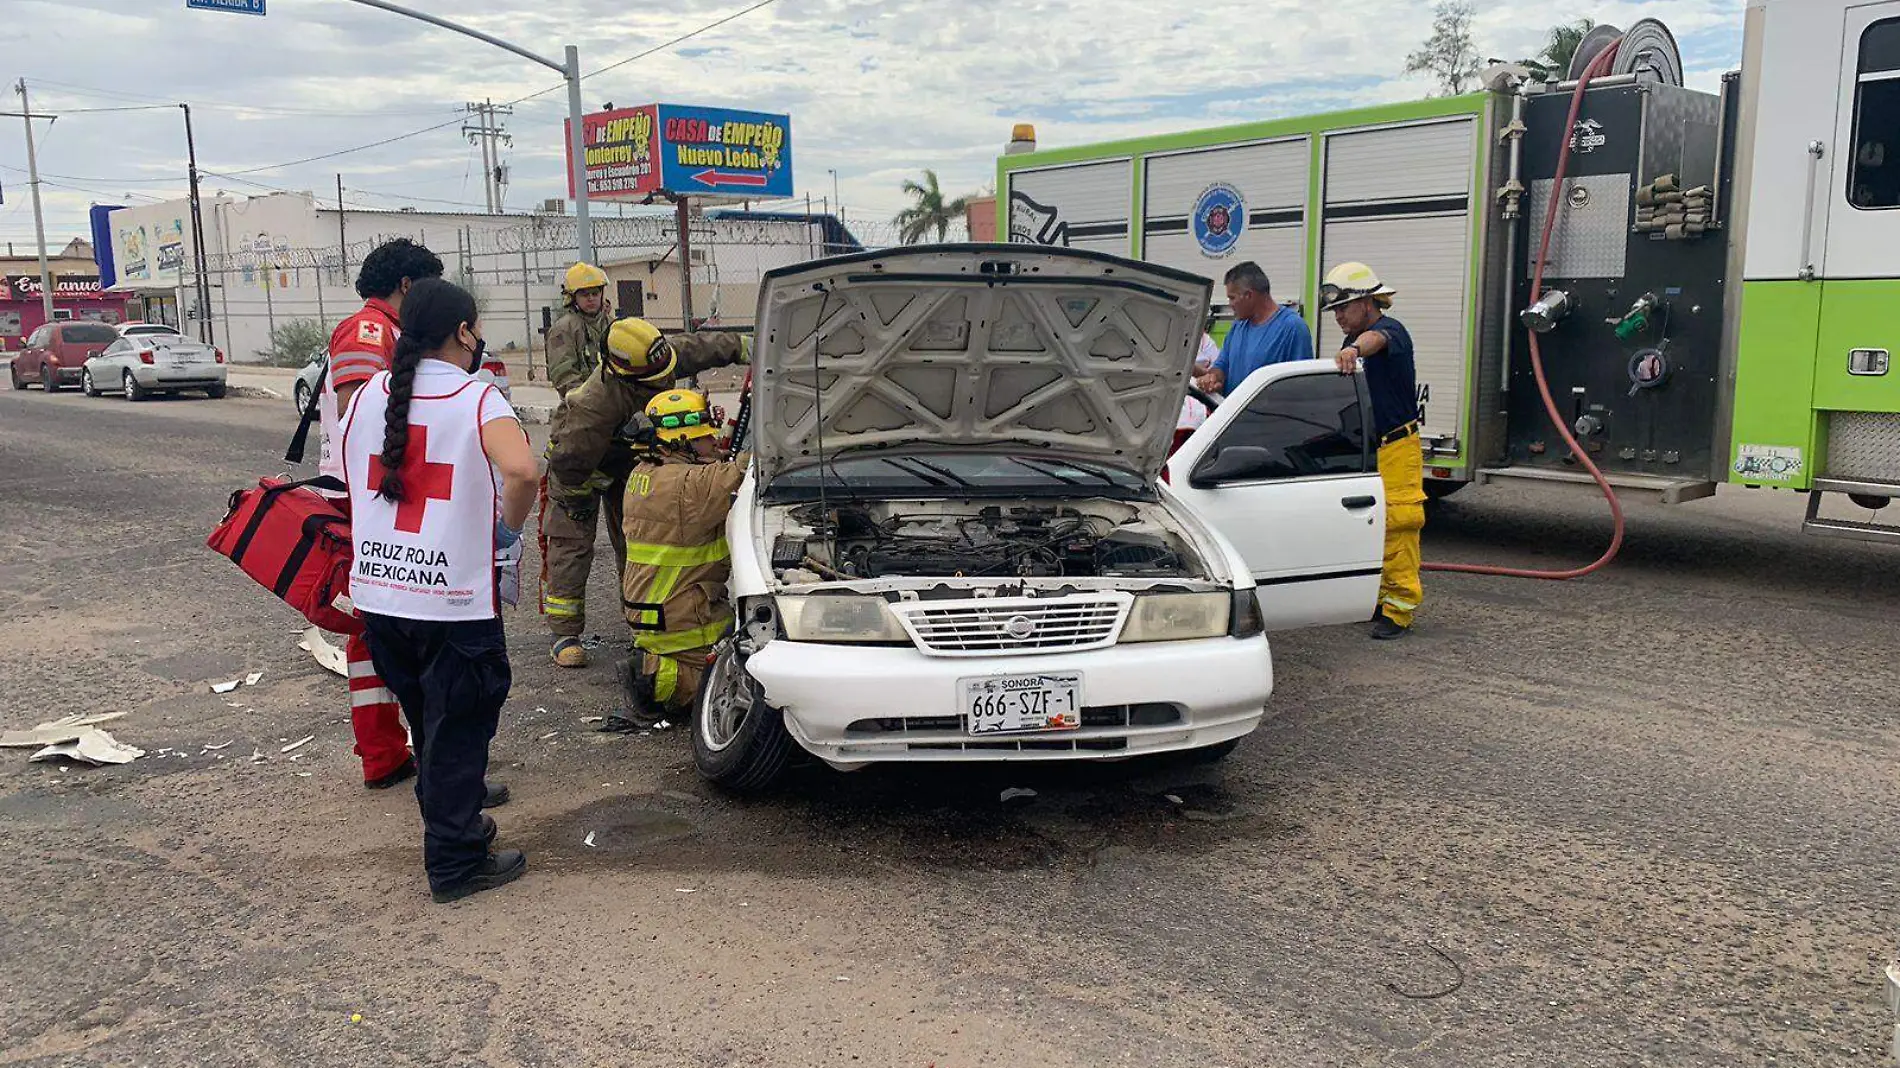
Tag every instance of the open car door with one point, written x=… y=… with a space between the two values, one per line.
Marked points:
x=1286 y=470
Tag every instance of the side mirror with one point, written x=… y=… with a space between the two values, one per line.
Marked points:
x=1231 y=463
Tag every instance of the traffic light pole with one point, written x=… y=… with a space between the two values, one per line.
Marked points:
x=570 y=70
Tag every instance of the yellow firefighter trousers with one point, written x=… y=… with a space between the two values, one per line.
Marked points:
x=570 y=559
x=1402 y=469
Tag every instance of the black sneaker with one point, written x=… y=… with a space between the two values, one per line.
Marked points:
x=489 y=831
x=495 y=795
x=497 y=869
x=401 y=774
x=1385 y=630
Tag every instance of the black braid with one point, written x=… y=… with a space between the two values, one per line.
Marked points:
x=433 y=312
x=402 y=389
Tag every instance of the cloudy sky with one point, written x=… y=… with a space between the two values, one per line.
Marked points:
x=877 y=89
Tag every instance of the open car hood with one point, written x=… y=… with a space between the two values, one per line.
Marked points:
x=1031 y=350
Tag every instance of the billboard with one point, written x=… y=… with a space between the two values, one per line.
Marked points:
x=632 y=153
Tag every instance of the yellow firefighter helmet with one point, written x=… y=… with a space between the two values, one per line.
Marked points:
x=633 y=348
x=1351 y=281
x=580 y=277
x=681 y=415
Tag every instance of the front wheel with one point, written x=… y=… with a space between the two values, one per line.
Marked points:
x=215 y=392
x=86 y=383
x=134 y=391
x=302 y=395
x=13 y=372
x=739 y=741
x=49 y=379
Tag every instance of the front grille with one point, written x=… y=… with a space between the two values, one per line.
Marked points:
x=1145 y=714
x=990 y=625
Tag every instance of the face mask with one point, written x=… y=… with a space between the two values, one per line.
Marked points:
x=475 y=358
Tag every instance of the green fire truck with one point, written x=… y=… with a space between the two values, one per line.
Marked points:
x=1720 y=288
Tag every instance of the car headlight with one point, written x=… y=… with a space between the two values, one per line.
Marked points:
x=1173 y=617
x=840 y=618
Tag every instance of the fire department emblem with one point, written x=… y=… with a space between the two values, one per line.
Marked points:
x=1220 y=215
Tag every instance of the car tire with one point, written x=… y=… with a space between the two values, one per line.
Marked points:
x=302 y=395
x=86 y=383
x=13 y=372
x=216 y=392
x=739 y=742
x=134 y=391
x=49 y=379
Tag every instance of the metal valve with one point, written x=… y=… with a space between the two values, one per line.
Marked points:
x=1542 y=317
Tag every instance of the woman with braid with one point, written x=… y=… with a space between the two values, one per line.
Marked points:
x=441 y=479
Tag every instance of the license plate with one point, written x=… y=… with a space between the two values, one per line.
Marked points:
x=1014 y=704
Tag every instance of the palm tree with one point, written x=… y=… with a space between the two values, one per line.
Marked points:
x=1561 y=45
x=929 y=212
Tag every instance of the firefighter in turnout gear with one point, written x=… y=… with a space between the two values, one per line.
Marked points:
x=677 y=560
x=1382 y=345
x=591 y=452
x=575 y=338
x=574 y=346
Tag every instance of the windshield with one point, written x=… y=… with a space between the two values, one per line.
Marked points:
x=89 y=333
x=959 y=474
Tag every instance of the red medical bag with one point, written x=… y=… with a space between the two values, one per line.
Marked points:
x=296 y=543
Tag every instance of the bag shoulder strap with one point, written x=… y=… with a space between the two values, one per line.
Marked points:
x=294 y=454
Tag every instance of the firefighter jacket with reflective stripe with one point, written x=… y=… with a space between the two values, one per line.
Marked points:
x=587 y=448
x=574 y=347
x=677 y=558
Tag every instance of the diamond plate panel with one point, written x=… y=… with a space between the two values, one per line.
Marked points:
x=1593 y=226
x=1863 y=446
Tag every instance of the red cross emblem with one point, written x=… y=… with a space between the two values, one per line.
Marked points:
x=422 y=481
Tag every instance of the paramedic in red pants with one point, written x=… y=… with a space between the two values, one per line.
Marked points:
x=441 y=479
x=362 y=345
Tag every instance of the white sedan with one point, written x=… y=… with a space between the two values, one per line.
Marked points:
x=955 y=541
x=139 y=365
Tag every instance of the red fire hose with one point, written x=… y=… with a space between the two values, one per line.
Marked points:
x=1597 y=66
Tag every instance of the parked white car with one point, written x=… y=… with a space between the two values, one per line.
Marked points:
x=135 y=328
x=139 y=365
x=304 y=390
x=955 y=542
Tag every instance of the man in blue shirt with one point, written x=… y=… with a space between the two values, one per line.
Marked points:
x=1263 y=332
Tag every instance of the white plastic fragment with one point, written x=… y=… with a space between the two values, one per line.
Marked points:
x=226 y=687
x=299 y=743
x=1015 y=792
x=589 y=840
x=94 y=746
x=327 y=656
x=253 y=678
x=685 y=890
x=64 y=729
x=209 y=748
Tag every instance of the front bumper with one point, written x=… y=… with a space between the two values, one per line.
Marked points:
x=854 y=705
x=191 y=376
x=66 y=375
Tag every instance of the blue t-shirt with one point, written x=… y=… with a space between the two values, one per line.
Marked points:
x=1391 y=377
x=1248 y=347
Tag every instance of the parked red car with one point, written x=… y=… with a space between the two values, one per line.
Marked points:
x=55 y=355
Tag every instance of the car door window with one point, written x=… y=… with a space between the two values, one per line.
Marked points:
x=1304 y=426
x=117 y=347
x=38 y=340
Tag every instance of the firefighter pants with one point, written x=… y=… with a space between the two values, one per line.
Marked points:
x=1402 y=469
x=569 y=557
x=675 y=659
x=375 y=718
x=451 y=679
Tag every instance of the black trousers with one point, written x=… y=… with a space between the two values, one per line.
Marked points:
x=451 y=680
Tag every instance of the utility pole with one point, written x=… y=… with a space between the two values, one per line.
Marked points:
x=342 y=236
x=686 y=263
x=39 y=220
x=201 y=288
x=488 y=131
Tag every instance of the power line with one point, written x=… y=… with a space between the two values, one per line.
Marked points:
x=346 y=151
x=708 y=28
x=119 y=94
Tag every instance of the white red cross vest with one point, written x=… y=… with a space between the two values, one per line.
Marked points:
x=431 y=555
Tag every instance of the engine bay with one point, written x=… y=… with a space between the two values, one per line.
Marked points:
x=978 y=539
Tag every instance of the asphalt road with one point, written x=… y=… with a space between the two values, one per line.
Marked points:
x=1642 y=819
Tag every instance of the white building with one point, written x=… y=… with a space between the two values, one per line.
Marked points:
x=274 y=260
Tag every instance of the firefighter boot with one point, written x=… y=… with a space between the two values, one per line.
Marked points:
x=568 y=652
x=640 y=712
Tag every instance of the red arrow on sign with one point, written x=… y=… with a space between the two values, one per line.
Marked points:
x=718 y=178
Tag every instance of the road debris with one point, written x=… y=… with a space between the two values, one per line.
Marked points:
x=550 y=734
x=686 y=890
x=66 y=729
x=589 y=840
x=1458 y=979
x=1015 y=792
x=226 y=687
x=253 y=678
x=209 y=748
x=93 y=746
x=299 y=743
x=592 y=719
x=327 y=655
x=258 y=757
x=1173 y=799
